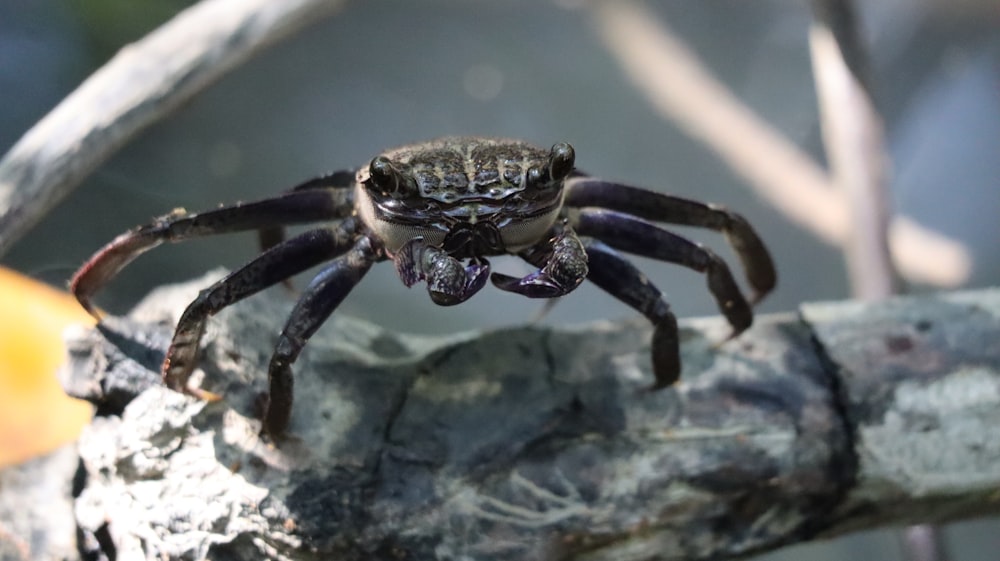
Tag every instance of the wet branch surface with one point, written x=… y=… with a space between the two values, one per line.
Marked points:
x=541 y=443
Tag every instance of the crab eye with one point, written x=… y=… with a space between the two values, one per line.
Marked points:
x=561 y=161
x=384 y=175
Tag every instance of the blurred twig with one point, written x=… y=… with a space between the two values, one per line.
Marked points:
x=922 y=542
x=680 y=88
x=853 y=135
x=142 y=83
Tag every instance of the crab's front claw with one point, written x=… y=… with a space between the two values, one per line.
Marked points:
x=536 y=285
x=563 y=263
x=409 y=261
x=449 y=282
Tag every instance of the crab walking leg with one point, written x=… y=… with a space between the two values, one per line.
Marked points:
x=562 y=263
x=278 y=263
x=633 y=235
x=291 y=208
x=658 y=207
x=325 y=292
x=621 y=279
x=271 y=236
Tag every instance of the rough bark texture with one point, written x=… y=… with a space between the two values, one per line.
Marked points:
x=920 y=379
x=534 y=443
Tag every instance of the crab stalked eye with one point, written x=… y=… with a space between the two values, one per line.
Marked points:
x=561 y=161
x=385 y=176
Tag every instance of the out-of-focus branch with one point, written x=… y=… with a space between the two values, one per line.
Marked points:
x=141 y=84
x=679 y=87
x=853 y=135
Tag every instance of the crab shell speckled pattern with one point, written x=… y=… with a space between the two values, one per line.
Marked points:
x=463 y=179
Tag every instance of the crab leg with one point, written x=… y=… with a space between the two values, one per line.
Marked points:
x=624 y=281
x=324 y=293
x=291 y=208
x=633 y=235
x=278 y=263
x=271 y=236
x=757 y=262
x=562 y=263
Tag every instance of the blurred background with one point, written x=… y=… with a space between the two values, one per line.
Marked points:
x=387 y=72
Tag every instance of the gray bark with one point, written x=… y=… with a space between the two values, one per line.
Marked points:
x=534 y=443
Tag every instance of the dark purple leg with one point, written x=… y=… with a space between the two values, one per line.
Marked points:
x=563 y=266
x=276 y=264
x=344 y=179
x=633 y=235
x=756 y=260
x=448 y=281
x=291 y=208
x=325 y=292
x=625 y=282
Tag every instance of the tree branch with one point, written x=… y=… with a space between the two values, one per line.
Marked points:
x=853 y=135
x=854 y=138
x=144 y=82
x=534 y=443
x=679 y=87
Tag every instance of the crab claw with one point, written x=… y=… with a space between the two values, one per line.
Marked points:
x=449 y=282
x=408 y=261
x=536 y=285
x=455 y=284
x=562 y=270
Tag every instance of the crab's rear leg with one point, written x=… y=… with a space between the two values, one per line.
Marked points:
x=271 y=236
x=633 y=235
x=584 y=191
x=282 y=261
x=624 y=281
x=291 y=208
x=323 y=294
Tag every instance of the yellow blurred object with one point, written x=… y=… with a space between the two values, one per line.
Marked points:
x=35 y=415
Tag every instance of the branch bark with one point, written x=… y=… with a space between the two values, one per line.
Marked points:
x=538 y=444
x=142 y=83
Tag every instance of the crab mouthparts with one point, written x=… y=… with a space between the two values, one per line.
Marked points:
x=466 y=240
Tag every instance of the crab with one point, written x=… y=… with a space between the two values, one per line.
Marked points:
x=438 y=210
